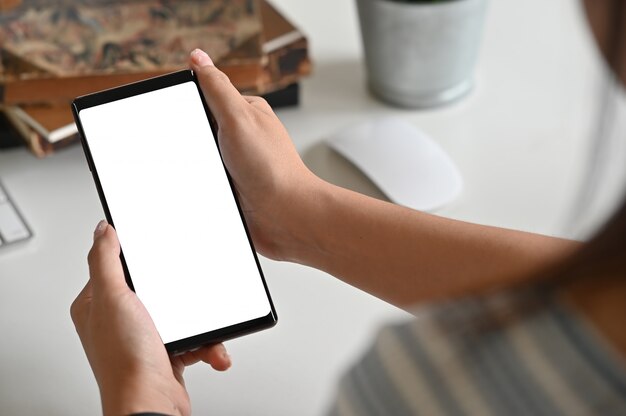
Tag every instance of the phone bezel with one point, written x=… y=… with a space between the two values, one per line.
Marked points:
x=142 y=87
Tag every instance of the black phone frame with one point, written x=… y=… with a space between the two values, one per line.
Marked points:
x=146 y=86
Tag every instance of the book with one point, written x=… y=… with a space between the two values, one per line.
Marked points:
x=286 y=47
x=68 y=48
x=52 y=122
x=269 y=60
x=101 y=37
x=286 y=97
x=269 y=63
x=18 y=124
x=282 y=60
x=34 y=140
x=9 y=137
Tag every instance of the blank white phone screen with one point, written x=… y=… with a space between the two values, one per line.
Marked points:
x=177 y=221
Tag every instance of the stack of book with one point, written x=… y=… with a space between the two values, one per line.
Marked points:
x=54 y=51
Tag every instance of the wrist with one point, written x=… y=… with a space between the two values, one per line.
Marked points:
x=305 y=221
x=138 y=395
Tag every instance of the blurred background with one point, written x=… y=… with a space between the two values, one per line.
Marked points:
x=520 y=137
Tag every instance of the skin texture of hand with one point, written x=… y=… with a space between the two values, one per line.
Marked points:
x=128 y=358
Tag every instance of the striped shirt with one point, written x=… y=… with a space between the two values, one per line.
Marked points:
x=456 y=360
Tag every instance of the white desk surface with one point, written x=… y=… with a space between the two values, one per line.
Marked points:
x=519 y=140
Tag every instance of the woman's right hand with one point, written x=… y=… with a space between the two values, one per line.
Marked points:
x=394 y=253
x=272 y=182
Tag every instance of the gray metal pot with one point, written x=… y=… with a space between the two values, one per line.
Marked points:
x=421 y=54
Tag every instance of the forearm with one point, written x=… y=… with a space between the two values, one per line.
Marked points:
x=405 y=256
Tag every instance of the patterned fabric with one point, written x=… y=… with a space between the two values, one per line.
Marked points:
x=459 y=360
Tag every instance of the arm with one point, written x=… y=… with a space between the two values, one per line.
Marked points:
x=394 y=253
x=404 y=256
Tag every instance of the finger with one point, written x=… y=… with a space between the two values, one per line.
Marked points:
x=214 y=355
x=105 y=266
x=221 y=96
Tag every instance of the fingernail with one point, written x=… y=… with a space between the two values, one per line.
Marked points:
x=200 y=58
x=99 y=228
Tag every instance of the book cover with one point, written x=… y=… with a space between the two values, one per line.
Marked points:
x=66 y=38
x=269 y=60
x=286 y=47
x=57 y=50
x=16 y=130
x=285 y=97
x=52 y=122
x=269 y=63
x=35 y=141
x=284 y=57
x=9 y=137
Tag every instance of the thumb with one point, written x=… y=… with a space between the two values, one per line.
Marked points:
x=105 y=266
x=220 y=94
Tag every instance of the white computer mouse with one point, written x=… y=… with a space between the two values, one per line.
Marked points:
x=409 y=167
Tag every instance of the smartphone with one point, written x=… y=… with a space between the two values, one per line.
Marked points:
x=186 y=251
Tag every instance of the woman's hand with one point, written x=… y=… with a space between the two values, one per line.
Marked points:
x=392 y=252
x=126 y=354
x=271 y=180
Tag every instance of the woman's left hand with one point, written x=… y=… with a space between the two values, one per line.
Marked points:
x=128 y=358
